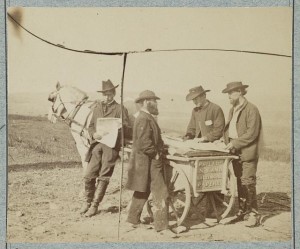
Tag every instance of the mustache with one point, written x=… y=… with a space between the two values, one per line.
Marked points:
x=152 y=109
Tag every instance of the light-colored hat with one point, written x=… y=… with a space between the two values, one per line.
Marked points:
x=107 y=86
x=195 y=92
x=233 y=86
x=147 y=94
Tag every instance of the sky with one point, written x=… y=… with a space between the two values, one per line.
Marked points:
x=35 y=67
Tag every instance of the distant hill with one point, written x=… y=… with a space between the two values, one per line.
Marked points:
x=32 y=104
x=175 y=113
x=275 y=111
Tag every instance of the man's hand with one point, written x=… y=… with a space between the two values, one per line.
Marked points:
x=229 y=146
x=202 y=139
x=98 y=136
x=220 y=141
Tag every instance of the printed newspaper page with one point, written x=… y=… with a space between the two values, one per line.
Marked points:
x=109 y=128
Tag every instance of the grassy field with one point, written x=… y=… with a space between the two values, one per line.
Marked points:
x=34 y=140
x=45 y=179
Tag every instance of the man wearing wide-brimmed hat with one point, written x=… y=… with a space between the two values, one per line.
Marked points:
x=207 y=120
x=145 y=173
x=242 y=134
x=101 y=158
x=206 y=125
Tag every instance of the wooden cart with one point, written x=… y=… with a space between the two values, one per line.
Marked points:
x=188 y=177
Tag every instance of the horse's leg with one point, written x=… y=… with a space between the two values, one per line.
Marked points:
x=82 y=150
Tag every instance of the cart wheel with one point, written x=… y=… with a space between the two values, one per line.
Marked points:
x=222 y=204
x=179 y=194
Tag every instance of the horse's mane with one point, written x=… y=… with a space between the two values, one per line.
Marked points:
x=71 y=93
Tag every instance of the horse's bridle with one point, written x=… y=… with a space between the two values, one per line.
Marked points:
x=69 y=119
x=55 y=110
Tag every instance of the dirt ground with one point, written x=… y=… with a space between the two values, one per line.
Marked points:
x=44 y=202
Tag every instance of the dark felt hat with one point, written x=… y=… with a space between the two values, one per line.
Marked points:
x=195 y=92
x=107 y=86
x=233 y=86
x=147 y=94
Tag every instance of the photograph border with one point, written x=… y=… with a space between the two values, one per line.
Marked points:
x=153 y=3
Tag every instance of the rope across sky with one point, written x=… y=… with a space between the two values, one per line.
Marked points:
x=87 y=51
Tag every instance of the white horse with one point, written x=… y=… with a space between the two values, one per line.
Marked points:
x=72 y=105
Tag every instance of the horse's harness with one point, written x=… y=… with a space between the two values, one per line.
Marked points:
x=69 y=120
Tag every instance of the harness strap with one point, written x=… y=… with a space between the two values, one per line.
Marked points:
x=80 y=134
x=79 y=124
x=70 y=119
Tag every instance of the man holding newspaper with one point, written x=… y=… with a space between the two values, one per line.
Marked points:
x=105 y=147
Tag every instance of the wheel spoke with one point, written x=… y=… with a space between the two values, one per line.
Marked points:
x=218 y=198
x=173 y=179
x=178 y=190
x=225 y=204
x=174 y=210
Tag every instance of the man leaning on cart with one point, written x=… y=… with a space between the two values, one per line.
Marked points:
x=145 y=170
x=206 y=125
x=241 y=134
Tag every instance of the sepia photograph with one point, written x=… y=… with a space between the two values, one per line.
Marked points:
x=149 y=124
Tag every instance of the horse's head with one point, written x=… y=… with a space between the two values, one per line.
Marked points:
x=64 y=100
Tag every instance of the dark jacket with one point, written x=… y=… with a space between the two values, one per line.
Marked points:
x=113 y=110
x=147 y=144
x=248 y=129
x=208 y=121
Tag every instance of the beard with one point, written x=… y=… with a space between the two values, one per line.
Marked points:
x=234 y=102
x=152 y=108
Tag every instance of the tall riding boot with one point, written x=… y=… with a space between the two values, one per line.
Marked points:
x=89 y=190
x=252 y=211
x=98 y=197
x=242 y=197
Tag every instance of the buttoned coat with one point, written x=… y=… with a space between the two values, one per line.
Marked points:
x=248 y=126
x=147 y=144
x=208 y=121
x=113 y=110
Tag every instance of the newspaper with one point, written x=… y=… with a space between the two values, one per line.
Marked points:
x=178 y=145
x=109 y=127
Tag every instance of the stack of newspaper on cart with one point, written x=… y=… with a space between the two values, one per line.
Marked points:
x=193 y=147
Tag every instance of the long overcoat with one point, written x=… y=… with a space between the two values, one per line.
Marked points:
x=147 y=144
x=248 y=126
